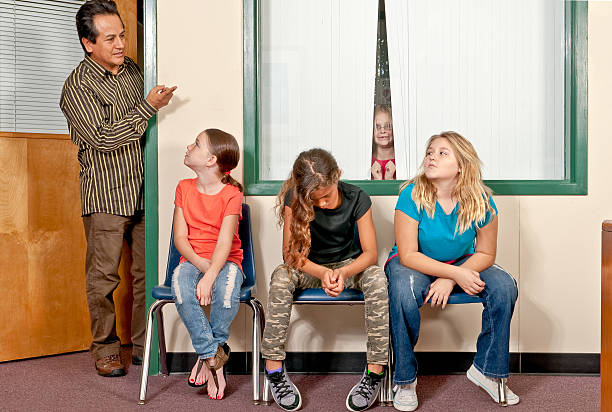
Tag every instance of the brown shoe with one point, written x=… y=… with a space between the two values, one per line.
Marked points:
x=110 y=366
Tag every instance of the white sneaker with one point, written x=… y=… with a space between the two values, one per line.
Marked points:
x=490 y=386
x=405 y=398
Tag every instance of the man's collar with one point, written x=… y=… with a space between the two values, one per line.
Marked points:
x=97 y=67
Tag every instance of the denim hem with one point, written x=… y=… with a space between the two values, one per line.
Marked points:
x=207 y=356
x=404 y=382
x=491 y=374
x=491 y=328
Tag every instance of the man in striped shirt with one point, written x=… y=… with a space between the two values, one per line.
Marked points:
x=107 y=116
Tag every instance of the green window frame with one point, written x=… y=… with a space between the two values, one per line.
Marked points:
x=151 y=175
x=575 y=139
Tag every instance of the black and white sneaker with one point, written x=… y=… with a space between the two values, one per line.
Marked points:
x=284 y=392
x=363 y=395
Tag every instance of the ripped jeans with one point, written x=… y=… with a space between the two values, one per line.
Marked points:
x=407 y=291
x=207 y=336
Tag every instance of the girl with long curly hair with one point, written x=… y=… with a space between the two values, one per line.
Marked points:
x=320 y=216
x=446 y=238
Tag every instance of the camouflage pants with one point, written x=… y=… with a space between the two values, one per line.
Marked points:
x=285 y=280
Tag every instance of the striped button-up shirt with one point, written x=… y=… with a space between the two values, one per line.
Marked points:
x=107 y=117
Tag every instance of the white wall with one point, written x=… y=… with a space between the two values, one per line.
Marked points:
x=550 y=243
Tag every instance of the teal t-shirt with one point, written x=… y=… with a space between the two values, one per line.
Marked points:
x=437 y=238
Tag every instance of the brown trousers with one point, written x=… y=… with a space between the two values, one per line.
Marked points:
x=105 y=234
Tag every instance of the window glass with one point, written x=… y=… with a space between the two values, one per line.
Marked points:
x=39 y=48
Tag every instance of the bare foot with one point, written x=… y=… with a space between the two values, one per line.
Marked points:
x=220 y=391
x=201 y=378
x=213 y=391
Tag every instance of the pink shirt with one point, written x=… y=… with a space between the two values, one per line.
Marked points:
x=383 y=164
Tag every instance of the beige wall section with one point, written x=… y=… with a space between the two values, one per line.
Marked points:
x=199 y=45
x=549 y=243
x=560 y=235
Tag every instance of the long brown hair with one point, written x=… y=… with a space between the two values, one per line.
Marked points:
x=470 y=192
x=312 y=170
x=225 y=147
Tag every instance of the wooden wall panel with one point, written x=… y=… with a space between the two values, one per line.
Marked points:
x=14 y=309
x=43 y=249
x=60 y=319
x=129 y=14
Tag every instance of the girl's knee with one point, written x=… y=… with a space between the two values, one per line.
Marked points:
x=405 y=300
x=375 y=279
x=184 y=281
x=409 y=282
x=500 y=284
x=281 y=277
x=227 y=285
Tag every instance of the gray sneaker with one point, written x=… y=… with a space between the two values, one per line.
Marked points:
x=363 y=395
x=284 y=392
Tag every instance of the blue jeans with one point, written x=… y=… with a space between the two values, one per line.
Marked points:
x=207 y=336
x=407 y=291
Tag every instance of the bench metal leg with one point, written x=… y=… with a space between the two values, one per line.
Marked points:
x=258 y=314
x=389 y=377
x=265 y=398
x=382 y=393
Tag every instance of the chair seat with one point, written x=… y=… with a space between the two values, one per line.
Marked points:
x=457 y=298
x=318 y=295
x=162 y=292
x=354 y=295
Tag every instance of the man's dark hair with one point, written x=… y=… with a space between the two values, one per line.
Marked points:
x=85 y=18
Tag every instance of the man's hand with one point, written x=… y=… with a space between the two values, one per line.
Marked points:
x=439 y=291
x=160 y=96
x=469 y=280
x=204 y=289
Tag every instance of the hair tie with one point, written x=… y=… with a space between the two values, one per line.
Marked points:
x=227 y=173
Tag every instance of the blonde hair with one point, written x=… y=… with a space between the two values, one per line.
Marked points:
x=470 y=192
x=312 y=170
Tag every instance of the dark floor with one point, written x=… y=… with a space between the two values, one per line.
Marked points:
x=70 y=383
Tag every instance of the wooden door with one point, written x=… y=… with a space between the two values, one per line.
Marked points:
x=44 y=308
x=42 y=243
